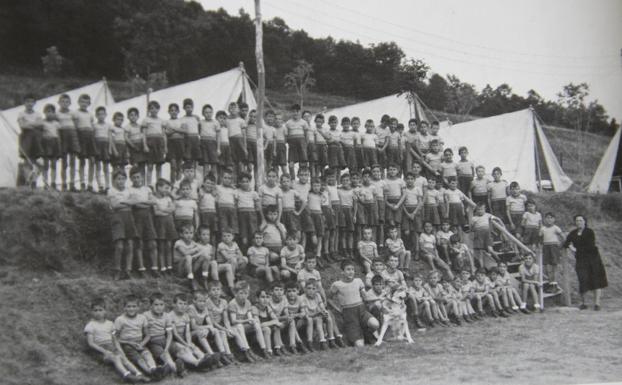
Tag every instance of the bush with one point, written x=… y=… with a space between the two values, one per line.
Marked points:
x=48 y=230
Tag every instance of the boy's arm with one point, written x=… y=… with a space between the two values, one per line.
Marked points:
x=169 y=339
x=146 y=337
x=399 y=203
x=188 y=335
x=94 y=346
x=507 y=214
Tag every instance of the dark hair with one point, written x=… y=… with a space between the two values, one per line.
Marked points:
x=377 y=279
x=497 y=169
x=366 y=172
x=318 y=117
x=187 y=166
x=153 y=103
x=582 y=216
x=49 y=107
x=220 y=114
x=133 y=109
x=155 y=297
x=530 y=202
x=272 y=209
x=448 y=150
x=514 y=184
x=332 y=118
x=244 y=175
x=203 y=228
x=84 y=97
x=412 y=120
x=269 y=112
x=346 y=263
x=463 y=148
x=130 y=298
x=276 y=284
x=242 y=105
x=31 y=96
x=136 y=170
x=185 y=183
x=493 y=270
x=100 y=108
x=117 y=115
x=209 y=177
x=549 y=214
x=480 y=271
x=454 y=238
x=345 y=119
x=303 y=169
x=162 y=182
x=98 y=301
x=306 y=111
x=188 y=102
x=436 y=123
x=117 y=172
x=291 y=286
x=173 y=105
x=355 y=118
x=295 y=107
x=180 y=297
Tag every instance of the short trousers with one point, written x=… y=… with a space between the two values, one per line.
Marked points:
x=464 y=184
x=413 y=225
x=209 y=219
x=349 y=155
x=86 y=138
x=156 y=346
x=225 y=155
x=306 y=224
x=367 y=214
x=228 y=220
x=346 y=218
x=370 y=156
x=297 y=151
x=431 y=214
x=176 y=149
x=69 y=143
x=30 y=144
x=137 y=155
x=157 y=153
x=335 y=156
x=281 y=154
x=143 y=220
x=165 y=228
x=312 y=152
x=394 y=156
x=209 y=151
x=517 y=219
x=456 y=214
x=482 y=239
x=121 y=158
x=133 y=354
x=122 y=225
x=247 y=224
x=102 y=150
x=477 y=199
x=392 y=216
x=238 y=150
x=50 y=148
x=192 y=148
x=321 y=154
x=256 y=271
x=197 y=266
x=268 y=153
x=181 y=223
x=329 y=218
x=551 y=255
x=319 y=223
x=382 y=158
x=290 y=220
x=531 y=235
x=355 y=319
x=498 y=209
x=251 y=150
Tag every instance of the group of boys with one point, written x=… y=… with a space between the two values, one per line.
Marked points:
x=401 y=199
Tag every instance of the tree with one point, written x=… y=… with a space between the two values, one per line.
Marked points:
x=435 y=94
x=300 y=79
x=461 y=97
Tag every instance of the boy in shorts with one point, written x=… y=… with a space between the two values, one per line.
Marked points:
x=356 y=318
x=259 y=260
x=30 y=123
x=237 y=130
x=131 y=329
x=296 y=131
x=100 y=338
x=552 y=237
x=122 y=224
x=292 y=257
x=229 y=252
x=160 y=335
x=69 y=145
x=83 y=121
x=142 y=202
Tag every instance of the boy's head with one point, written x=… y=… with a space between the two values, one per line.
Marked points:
x=84 y=101
x=244 y=180
x=185 y=188
x=480 y=171
x=204 y=233
x=377 y=265
x=319 y=120
x=271 y=177
x=207 y=111
x=227 y=177
x=428 y=228
x=310 y=287
x=157 y=303
x=258 y=238
x=132 y=114
x=291 y=240
x=377 y=283
x=493 y=273
x=187 y=232
x=391 y=283
x=119 y=177
x=180 y=303
x=393 y=261
x=277 y=290
x=345 y=122
x=49 y=110
x=393 y=232
x=348 y=269
x=130 y=305
x=153 y=107
x=136 y=175
x=243 y=107
x=188 y=105
x=531 y=206
x=240 y=290
x=496 y=173
x=117 y=119
x=29 y=101
x=303 y=174
x=291 y=290
x=163 y=186
x=310 y=262
x=187 y=168
x=549 y=219
x=272 y=213
x=221 y=116
x=173 y=110
x=480 y=274
x=435 y=127
x=392 y=170
x=445 y=226
x=233 y=109
x=514 y=188
x=227 y=237
x=64 y=101
x=199 y=300
x=367 y=233
x=262 y=297
x=480 y=208
x=417 y=281
x=454 y=239
x=214 y=289
x=98 y=308
x=369 y=126
x=345 y=180
x=416 y=170
x=465 y=274
x=502 y=267
x=209 y=183
x=528 y=259
x=463 y=152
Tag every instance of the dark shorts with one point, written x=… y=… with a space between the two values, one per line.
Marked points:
x=30 y=144
x=156 y=154
x=251 y=149
x=281 y=154
x=431 y=214
x=312 y=152
x=50 y=148
x=181 y=223
x=346 y=218
x=192 y=147
x=297 y=150
x=137 y=156
x=498 y=209
x=69 y=143
x=225 y=156
x=290 y=220
x=121 y=158
x=132 y=353
x=306 y=224
x=330 y=221
x=355 y=319
x=209 y=219
x=268 y=153
x=143 y=220
x=382 y=158
x=176 y=149
x=86 y=138
x=238 y=150
x=412 y=225
x=156 y=346
x=350 y=157
x=122 y=225
x=335 y=156
x=531 y=235
x=319 y=223
x=165 y=228
x=551 y=255
x=321 y=153
x=394 y=156
x=464 y=184
x=209 y=151
x=228 y=219
x=247 y=224
x=102 y=150
x=477 y=199
x=392 y=216
x=482 y=239
x=367 y=214
x=517 y=219
x=370 y=157
x=456 y=214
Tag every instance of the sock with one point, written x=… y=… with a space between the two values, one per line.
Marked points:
x=190 y=276
x=205 y=274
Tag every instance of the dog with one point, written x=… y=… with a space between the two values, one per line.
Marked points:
x=394 y=316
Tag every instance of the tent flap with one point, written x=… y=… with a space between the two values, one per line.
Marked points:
x=602 y=177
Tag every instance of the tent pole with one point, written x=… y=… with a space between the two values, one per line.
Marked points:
x=537 y=152
x=261 y=90
x=105 y=91
x=243 y=88
x=417 y=98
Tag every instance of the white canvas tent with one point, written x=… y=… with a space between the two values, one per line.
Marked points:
x=401 y=107
x=218 y=90
x=9 y=129
x=607 y=167
x=515 y=142
x=510 y=141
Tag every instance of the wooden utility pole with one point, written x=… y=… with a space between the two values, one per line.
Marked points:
x=261 y=90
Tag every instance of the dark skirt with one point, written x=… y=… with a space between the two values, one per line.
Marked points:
x=590 y=271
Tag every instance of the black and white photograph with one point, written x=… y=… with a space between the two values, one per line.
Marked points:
x=225 y=192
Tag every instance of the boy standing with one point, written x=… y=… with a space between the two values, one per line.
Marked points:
x=296 y=130
x=83 y=121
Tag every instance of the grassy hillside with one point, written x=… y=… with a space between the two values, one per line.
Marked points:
x=56 y=257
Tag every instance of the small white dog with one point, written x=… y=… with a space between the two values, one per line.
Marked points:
x=394 y=314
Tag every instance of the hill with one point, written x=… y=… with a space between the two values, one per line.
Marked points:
x=55 y=256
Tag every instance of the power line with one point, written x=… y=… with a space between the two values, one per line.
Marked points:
x=425 y=43
x=306 y=17
x=410 y=29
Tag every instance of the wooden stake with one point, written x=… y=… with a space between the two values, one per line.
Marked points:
x=261 y=90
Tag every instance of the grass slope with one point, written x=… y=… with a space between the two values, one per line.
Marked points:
x=45 y=313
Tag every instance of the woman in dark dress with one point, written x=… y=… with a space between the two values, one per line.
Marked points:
x=590 y=269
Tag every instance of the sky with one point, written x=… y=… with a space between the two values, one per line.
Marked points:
x=528 y=44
